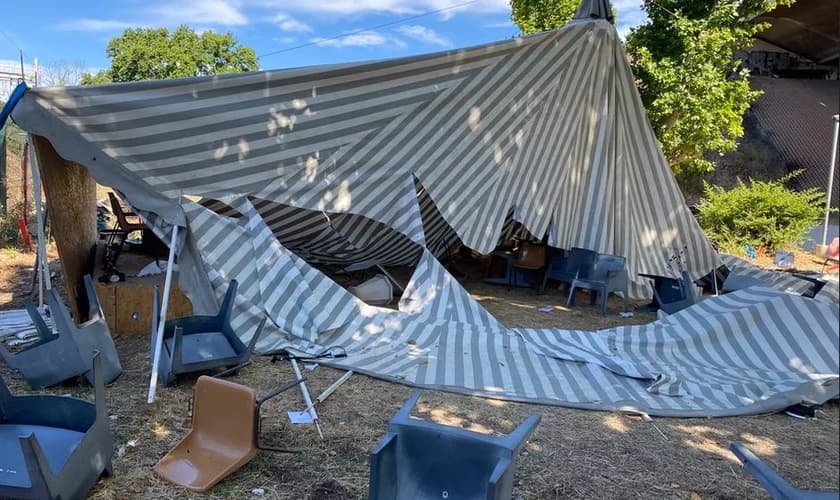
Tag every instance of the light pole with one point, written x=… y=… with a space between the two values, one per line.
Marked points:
x=831 y=177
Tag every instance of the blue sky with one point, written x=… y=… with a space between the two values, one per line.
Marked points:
x=57 y=31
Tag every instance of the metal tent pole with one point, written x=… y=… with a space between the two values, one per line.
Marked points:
x=310 y=407
x=831 y=177
x=167 y=285
x=42 y=267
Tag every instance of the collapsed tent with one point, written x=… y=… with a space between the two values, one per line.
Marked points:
x=391 y=161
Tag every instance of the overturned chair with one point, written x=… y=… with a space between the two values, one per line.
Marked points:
x=201 y=343
x=608 y=275
x=53 y=446
x=418 y=459
x=776 y=486
x=225 y=435
x=66 y=353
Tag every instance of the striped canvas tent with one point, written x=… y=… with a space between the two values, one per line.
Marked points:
x=548 y=126
x=392 y=162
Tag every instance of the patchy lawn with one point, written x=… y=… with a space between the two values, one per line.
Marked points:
x=573 y=453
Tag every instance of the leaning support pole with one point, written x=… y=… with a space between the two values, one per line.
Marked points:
x=306 y=397
x=167 y=286
x=831 y=177
x=42 y=264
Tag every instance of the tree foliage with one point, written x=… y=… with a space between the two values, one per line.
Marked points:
x=533 y=16
x=157 y=53
x=695 y=92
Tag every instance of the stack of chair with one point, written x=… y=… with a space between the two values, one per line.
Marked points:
x=66 y=353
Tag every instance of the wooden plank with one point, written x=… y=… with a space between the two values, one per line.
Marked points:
x=133 y=308
x=71 y=200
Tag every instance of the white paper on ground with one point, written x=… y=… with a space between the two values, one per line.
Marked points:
x=300 y=417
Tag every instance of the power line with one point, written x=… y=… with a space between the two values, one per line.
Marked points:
x=7 y=37
x=378 y=26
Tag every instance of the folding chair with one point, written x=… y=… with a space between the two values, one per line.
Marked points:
x=127 y=223
x=776 y=486
x=60 y=356
x=54 y=446
x=200 y=343
x=420 y=460
x=225 y=435
x=608 y=275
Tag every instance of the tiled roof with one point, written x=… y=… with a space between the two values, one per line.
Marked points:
x=797 y=116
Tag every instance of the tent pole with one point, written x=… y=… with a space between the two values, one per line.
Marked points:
x=836 y=119
x=42 y=265
x=306 y=397
x=167 y=285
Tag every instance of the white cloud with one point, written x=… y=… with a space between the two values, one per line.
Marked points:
x=285 y=40
x=216 y=12
x=190 y=12
x=348 y=7
x=500 y=24
x=289 y=23
x=358 y=39
x=94 y=25
x=629 y=14
x=424 y=35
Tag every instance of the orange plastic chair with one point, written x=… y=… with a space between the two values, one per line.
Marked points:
x=224 y=435
x=832 y=253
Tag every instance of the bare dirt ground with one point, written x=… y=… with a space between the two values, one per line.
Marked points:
x=573 y=453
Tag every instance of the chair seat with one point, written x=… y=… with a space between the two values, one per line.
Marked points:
x=205 y=346
x=198 y=463
x=58 y=444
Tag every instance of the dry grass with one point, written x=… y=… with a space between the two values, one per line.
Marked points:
x=574 y=453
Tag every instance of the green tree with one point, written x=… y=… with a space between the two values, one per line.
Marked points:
x=694 y=91
x=153 y=54
x=533 y=16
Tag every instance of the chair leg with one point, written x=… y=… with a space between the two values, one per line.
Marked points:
x=570 y=301
x=604 y=296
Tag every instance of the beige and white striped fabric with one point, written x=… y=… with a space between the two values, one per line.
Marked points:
x=548 y=126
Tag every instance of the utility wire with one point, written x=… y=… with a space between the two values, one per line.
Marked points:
x=7 y=37
x=378 y=26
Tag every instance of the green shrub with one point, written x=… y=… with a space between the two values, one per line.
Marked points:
x=759 y=213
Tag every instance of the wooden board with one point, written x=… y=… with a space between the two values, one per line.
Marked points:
x=130 y=309
x=71 y=199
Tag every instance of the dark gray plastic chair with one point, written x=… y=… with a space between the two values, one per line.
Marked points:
x=566 y=268
x=54 y=446
x=59 y=356
x=201 y=343
x=671 y=294
x=419 y=460
x=776 y=486
x=608 y=275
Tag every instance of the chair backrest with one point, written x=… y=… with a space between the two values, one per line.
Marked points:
x=605 y=264
x=224 y=414
x=94 y=307
x=833 y=250
x=530 y=255
x=580 y=259
x=117 y=208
